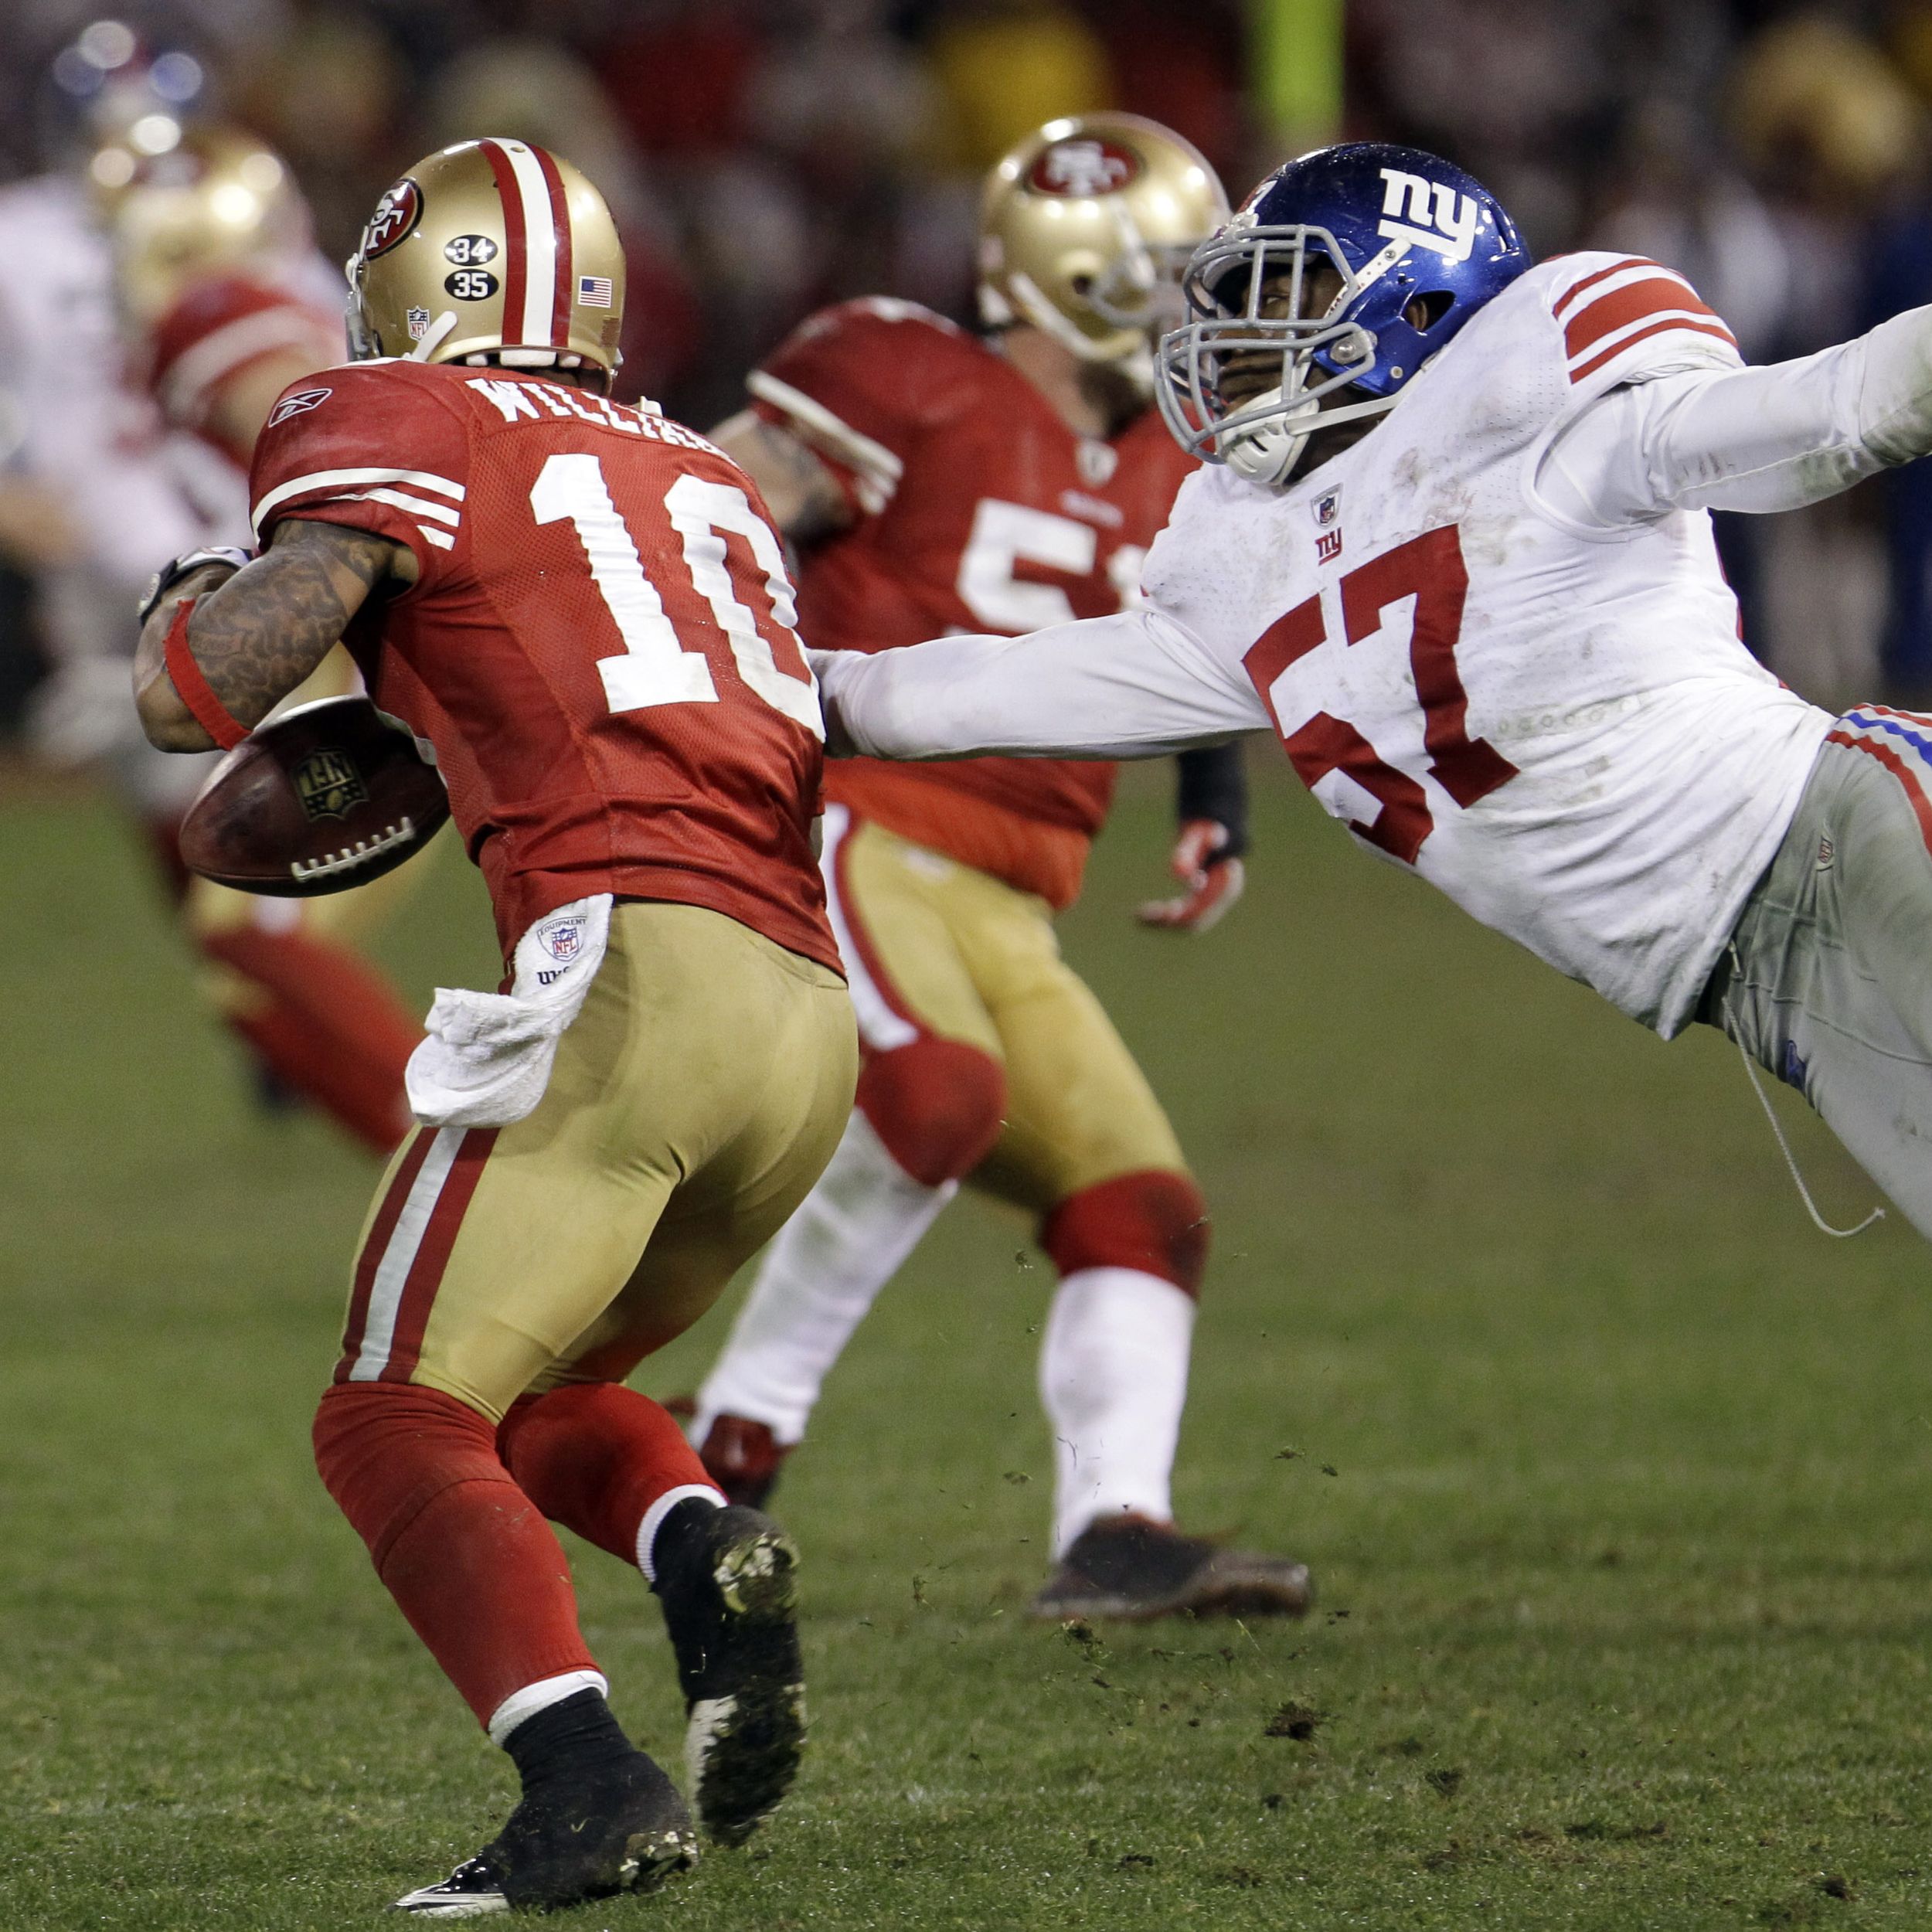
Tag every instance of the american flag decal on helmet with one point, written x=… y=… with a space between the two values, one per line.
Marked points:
x=594 y=292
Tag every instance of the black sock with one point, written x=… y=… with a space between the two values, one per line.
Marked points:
x=680 y=1532
x=577 y=1734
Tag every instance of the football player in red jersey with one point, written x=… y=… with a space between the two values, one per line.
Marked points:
x=940 y=480
x=585 y=609
x=226 y=303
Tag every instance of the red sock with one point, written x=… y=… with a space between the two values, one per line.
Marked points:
x=595 y=1456
x=473 y=1565
x=334 y=1032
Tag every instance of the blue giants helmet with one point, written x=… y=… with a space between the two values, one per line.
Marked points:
x=1400 y=226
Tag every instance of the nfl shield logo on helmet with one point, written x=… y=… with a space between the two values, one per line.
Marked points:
x=418 y=320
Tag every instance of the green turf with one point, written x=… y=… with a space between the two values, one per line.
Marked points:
x=1614 y=1473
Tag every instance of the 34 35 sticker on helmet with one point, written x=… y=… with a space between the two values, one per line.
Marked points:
x=325 y=797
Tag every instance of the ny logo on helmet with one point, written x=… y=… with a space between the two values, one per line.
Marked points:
x=1427 y=214
x=1084 y=167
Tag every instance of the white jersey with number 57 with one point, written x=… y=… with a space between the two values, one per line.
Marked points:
x=1493 y=636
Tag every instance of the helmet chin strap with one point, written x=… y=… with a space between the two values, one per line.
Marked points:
x=1268 y=454
x=433 y=336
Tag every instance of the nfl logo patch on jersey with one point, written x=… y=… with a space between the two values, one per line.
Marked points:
x=1327 y=525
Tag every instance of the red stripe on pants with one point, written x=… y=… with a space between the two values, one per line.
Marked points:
x=432 y=1254
x=381 y=1231
x=1899 y=769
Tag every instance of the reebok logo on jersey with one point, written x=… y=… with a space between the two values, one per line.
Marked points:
x=299 y=404
x=1427 y=214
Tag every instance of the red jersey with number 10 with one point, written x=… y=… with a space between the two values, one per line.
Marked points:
x=600 y=643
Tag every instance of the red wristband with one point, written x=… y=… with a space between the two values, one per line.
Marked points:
x=193 y=689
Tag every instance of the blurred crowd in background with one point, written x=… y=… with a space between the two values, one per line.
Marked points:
x=765 y=156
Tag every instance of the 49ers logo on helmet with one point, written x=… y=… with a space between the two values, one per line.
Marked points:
x=396 y=214
x=1083 y=166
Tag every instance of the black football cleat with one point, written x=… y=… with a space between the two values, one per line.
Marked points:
x=743 y=1458
x=621 y=1829
x=727 y=1580
x=1132 y=1570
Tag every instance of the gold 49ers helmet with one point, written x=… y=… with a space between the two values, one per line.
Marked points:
x=490 y=251
x=213 y=199
x=1085 y=227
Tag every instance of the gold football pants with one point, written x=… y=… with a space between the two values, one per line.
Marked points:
x=938 y=950
x=693 y=1103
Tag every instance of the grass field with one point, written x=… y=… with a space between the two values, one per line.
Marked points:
x=1614 y=1473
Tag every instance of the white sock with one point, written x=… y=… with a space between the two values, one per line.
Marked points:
x=846 y=1241
x=1113 y=1375
x=521 y=1705
x=653 y=1521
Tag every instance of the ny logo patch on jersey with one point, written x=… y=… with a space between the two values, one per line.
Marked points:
x=1327 y=510
x=1427 y=214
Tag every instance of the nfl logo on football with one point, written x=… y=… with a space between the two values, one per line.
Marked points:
x=327 y=783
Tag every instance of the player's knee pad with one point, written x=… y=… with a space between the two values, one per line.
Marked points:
x=936 y=1105
x=1155 y=1222
x=386 y=1451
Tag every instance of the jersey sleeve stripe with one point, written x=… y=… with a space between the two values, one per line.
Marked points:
x=879 y=469
x=328 y=483
x=416 y=505
x=1567 y=299
x=185 y=383
x=1710 y=331
x=1657 y=295
x=441 y=539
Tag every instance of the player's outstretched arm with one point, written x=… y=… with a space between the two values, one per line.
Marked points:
x=1132 y=685
x=1211 y=806
x=1766 y=439
x=801 y=493
x=256 y=633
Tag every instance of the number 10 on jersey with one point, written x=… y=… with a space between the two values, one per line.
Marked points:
x=656 y=665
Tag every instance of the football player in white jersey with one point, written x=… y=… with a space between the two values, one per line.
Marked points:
x=1451 y=543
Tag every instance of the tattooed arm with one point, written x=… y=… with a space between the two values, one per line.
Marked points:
x=801 y=492
x=256 y=633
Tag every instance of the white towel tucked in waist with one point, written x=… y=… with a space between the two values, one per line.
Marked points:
x=486 y=1058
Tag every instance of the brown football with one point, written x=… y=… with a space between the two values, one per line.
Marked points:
x=325 y=797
